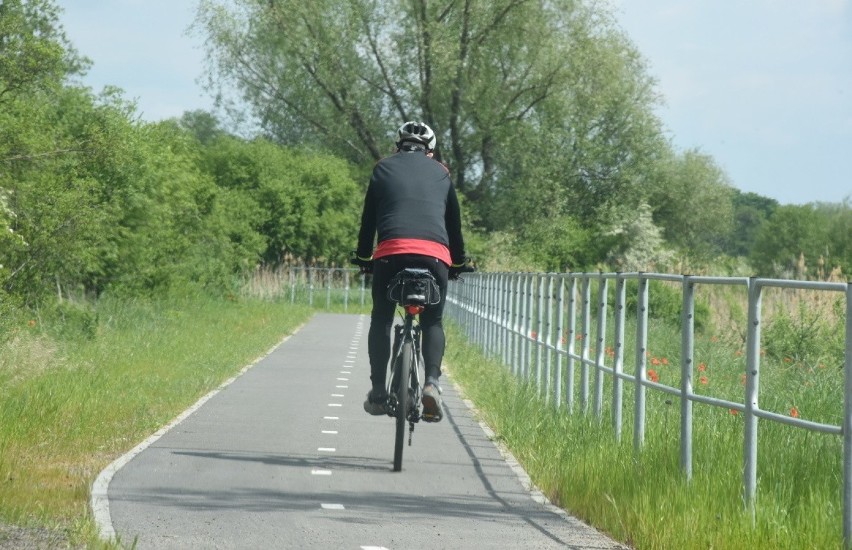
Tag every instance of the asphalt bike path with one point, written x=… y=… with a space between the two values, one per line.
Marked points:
x=286 y=457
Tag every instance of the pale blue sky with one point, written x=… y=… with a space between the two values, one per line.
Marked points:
x=763 y=86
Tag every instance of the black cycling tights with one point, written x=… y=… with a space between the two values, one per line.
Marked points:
x=382 y=317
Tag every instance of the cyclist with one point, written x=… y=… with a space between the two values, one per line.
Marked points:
x=412 y=209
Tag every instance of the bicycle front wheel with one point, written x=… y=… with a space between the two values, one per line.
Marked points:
x=403 y=402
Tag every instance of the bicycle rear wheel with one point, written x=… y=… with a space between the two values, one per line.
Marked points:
x=403 y=403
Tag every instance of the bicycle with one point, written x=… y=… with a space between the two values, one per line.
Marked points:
x=413 y=290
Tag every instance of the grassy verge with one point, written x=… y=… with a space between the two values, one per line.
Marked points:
x=643 y=498
x=70 y=405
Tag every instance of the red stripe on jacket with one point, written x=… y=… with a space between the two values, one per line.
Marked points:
x=391 y=247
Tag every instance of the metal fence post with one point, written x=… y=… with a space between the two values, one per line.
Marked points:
x=618 y=365
x=505 y=316
x=751 y=395
x=600 y=344
x=519 y=312
x=572 y=344
x=560 y=329
x=539 y=334
x=329 y=274
x=847 y=425
x=641 y=374
x=528 y=311
x=346 y=290
x=311 y=286
x=548 y=375
x=686 y=356
x=584 y=356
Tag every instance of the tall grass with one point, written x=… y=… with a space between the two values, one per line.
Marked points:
x=71 y=404
x=643 y=498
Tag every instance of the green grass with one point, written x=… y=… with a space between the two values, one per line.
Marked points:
x=644 y=498
x=70 y=405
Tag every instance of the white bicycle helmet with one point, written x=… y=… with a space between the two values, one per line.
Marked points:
x=417 y=132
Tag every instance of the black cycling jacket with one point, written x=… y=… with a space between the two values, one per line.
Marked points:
x=411 y=196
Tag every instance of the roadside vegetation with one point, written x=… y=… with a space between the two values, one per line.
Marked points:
x=644 y=498
x=71 y=404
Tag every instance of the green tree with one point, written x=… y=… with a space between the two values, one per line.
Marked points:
x=344 y=74
x=692 y=202
x=797 y=241
x=35 y=62
x=640 y=244
x=305 y=205
x=34 y=52
x=750 y=212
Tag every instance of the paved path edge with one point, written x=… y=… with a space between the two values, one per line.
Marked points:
x=99 y=499
x=523 y=477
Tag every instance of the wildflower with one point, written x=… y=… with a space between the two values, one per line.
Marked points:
x=738 y=353
x=703 y=380
x=794 y=412
x=743 y=379
x=733 y=412
x=664 y=361
x=533 y=334
x=652 y=375
x=655 y=361
x=702 y=367
x=31 y=323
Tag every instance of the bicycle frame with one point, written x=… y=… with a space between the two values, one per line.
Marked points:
x=413 y=290
x=407 y=333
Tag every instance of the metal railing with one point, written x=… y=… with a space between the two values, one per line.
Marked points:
x=315 y=286
x=530 y=322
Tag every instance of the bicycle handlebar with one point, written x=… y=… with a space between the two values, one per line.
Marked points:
x=366 y=266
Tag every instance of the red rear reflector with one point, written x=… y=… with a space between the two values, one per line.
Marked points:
x=414 y=310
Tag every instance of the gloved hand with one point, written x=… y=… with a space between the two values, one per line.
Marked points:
x=457 y=269
x=366 y=266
